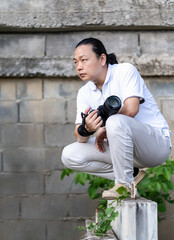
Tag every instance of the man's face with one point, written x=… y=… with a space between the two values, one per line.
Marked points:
x=88 y=66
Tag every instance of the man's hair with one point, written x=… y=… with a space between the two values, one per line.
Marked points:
x=98 y=48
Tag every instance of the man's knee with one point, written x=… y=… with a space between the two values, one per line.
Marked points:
x=66 y=156
x=116 y=122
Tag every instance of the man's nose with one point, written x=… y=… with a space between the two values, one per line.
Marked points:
x=79 y=66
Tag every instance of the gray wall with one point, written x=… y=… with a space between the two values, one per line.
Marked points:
x=38 y=87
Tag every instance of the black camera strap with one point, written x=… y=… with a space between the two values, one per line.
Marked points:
x=81 y=129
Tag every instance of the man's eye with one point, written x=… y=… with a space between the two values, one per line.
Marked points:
x=84 y=59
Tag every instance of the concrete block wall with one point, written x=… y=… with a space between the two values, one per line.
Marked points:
x=36 y=124
x=38 y=87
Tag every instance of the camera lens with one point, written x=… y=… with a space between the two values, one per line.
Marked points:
x=112 y=104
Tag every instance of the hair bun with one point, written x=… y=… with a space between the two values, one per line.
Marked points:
x=111 y=58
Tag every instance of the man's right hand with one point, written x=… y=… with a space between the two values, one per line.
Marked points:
x=92 y=124
x=92 y=121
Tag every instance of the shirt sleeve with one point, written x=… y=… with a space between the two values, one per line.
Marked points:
x=131 y=83
x=82 y=105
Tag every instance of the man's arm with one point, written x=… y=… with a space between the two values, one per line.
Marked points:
x=130 y=107
x=92 y=123
x=80 y=138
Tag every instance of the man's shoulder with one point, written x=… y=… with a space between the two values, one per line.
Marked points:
x=125 y=66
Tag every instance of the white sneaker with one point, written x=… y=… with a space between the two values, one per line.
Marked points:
x=112 y=193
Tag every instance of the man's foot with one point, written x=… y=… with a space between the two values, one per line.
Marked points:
x=112 y=193
x=139 y=177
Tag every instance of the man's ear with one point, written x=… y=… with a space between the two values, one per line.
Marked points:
x=103 y=59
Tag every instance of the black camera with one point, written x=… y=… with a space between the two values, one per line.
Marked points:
x=110 y=107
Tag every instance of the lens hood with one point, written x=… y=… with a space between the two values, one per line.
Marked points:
x=112 y=105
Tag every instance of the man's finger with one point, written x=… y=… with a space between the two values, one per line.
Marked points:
x=87 y=110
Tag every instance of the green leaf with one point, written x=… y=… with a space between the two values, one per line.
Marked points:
x=158 y=187
x=164 y=187
x=81 y=178
x=121 y=190
x=66 y=172
x=92 y=191
x=81 y=228
x=109 y=210
x=167 y=174
x=161 y=206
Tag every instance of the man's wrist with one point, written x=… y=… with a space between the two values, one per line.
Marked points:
x=84 y=132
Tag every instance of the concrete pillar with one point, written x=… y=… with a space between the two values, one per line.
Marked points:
x=137 y=220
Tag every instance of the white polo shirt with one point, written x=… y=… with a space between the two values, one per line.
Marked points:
x=124 y=81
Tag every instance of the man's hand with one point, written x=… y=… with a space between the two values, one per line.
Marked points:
x=99 y=141
x=92 y=124
x=92 y=121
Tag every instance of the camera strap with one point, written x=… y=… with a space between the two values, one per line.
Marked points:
x=81 y=129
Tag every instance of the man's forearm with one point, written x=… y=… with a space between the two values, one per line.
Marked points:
x=80 y=138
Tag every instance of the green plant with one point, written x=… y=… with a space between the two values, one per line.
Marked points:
x=106 y=214
x=157 y=185
x=95 y=183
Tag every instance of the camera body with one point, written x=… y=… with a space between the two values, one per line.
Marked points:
x=110 y=107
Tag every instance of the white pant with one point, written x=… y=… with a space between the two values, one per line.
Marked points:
x=131 y=144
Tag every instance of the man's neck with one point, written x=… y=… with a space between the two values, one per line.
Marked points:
x=101 y=81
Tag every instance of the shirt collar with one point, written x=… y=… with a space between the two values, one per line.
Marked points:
x=93 y=86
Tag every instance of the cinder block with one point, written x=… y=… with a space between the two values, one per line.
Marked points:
x=166 y=229
x=167 y=109
x=44 y=207
x=9 y=208
x=66 y=229
x=54 y=184
x=21 y=183
x=61 y=88
x=161 y=88
x=22 y=135
x=59 y=134
x=0 y=133
x=8 y=112
x=23 y=230
x=29 y=89
x=1 y=162
x=22 y=45
x=53 y=158
x=170 y=208
x=31 y=159
x=82 y=205
x=116 y=42
x=71 y=110
x=157 y=42
x=25 y=159
x=7 y=89
x=51 y=111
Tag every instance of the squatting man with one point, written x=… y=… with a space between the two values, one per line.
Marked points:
x=135 y=137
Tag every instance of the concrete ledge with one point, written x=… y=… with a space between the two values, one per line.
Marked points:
x=91 y=236
x=137 y=219
x=61 y=15
x=148 y=65
x=23 y=67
